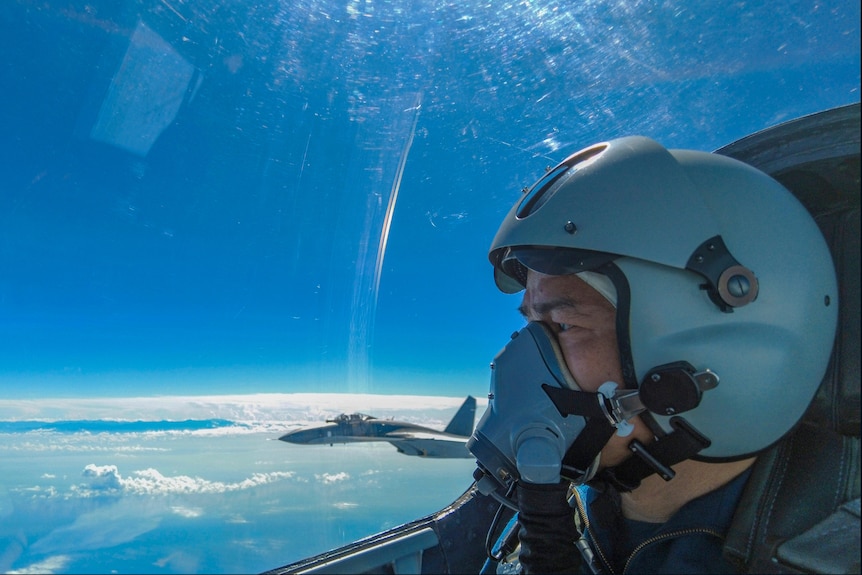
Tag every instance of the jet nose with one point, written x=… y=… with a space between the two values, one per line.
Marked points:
x=289 y=437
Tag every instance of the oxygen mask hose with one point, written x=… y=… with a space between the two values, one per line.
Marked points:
x=548 y=530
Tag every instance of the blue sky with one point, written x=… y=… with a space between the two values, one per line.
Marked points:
x=232 y=238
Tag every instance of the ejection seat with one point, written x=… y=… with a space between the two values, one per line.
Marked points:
x=800 y=510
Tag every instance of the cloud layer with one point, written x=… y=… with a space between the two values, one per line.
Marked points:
x=253 y=408
x=80 y=498
x=107 y=480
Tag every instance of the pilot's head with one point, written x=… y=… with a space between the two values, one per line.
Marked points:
x=652 y=265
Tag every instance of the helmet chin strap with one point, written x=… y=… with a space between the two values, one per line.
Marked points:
x=607 y=412
x=684 y=442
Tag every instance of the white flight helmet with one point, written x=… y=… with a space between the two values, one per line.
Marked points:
x=717 y=267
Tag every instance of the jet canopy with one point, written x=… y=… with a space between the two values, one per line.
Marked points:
x=350 y=418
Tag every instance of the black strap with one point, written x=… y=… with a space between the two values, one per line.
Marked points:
x=592 y=439
x=680 y=444
x=574 y=402
x=580 y=455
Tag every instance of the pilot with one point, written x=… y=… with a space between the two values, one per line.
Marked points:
x=701 y=283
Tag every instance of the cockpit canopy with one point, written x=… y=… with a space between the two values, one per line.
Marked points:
x=350 y=418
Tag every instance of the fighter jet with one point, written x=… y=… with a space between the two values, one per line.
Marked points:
x=408 y=438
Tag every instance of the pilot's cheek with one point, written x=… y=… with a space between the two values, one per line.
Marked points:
x=593 y=362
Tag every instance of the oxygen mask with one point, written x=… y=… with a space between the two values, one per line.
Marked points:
x=539 y=426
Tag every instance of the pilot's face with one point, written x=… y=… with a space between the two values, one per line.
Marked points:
x=584 y=323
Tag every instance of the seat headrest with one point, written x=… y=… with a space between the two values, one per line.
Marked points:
x=817 y=158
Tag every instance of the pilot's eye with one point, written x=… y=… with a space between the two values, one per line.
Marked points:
x=564 y=326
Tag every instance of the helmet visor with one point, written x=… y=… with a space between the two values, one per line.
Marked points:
x=511 y=264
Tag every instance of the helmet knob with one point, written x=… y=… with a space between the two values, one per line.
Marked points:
x=737 y=286
x=729 y=284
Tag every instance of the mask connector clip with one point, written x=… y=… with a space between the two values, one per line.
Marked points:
x=619 y=406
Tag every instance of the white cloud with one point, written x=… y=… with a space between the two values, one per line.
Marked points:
x=187 y=512
x=46 y=441
x=107 y=480
x=328 y=478
x=138 y=504
x=105 y=477
x=56 y=564
x=39 y=491
x=179 y=562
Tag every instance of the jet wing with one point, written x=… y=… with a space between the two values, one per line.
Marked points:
x=428 y=444
x=423 y=435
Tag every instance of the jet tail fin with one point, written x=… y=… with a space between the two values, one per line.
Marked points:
x=462 y=423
